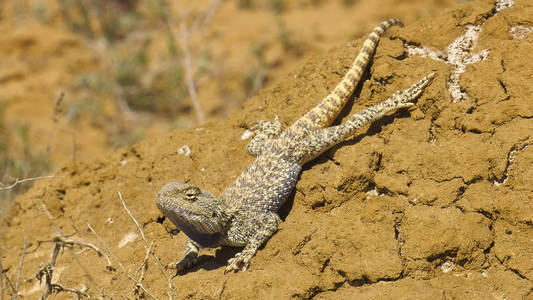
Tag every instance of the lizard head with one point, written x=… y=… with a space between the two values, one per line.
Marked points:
x=195 y=212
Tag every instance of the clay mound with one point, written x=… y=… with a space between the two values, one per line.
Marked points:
x=431 y=202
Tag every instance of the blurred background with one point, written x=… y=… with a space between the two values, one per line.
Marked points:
x=81 y=77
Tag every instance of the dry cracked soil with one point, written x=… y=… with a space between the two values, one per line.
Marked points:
x=433 y=202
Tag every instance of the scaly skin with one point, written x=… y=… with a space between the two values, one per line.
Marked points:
x=245 y=214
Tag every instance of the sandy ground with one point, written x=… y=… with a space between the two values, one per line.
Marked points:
x=433 y=202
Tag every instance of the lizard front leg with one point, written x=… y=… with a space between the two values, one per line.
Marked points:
x=263 y=130
x=190 y=258
x=262 y=227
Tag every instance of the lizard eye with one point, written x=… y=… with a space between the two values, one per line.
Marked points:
x=191 y=193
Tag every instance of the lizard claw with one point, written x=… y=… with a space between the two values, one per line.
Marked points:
x=267 y=127
x=238 y=263
x=184 y=264
x=401 y=99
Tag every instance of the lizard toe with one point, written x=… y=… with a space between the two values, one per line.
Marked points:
x=238 y=263
x=182 y=265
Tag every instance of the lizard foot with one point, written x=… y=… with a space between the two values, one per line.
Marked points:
x=266 y=128
x=263 y=131
x=404 y=98
x=184 y=264
x=239 y=263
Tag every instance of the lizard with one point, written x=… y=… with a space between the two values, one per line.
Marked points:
x=246 y=213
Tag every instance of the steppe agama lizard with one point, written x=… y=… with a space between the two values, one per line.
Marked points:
x=245 y=214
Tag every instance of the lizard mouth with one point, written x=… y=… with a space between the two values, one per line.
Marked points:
x=185 y=218
x=172 y=210
x=204 y=231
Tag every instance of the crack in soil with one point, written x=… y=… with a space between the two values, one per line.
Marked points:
x=511 y=157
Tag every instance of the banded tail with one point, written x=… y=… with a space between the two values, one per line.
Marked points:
x=326 y=112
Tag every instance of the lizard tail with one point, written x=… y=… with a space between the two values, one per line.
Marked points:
x=325 y=113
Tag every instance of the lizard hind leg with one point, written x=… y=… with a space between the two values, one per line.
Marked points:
x=320 y=140
x=326 y=111
x=405 y=98
x=263 y=131
x=399 y=99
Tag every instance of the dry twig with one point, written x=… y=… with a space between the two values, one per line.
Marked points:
x=210 y=13
x=65 y=242
x=57 y=107
x=46 y=271
x=144 y=265
x=189 y=73
x=8 y=282
x=55 y=119
x=134 y=220
x=2 y=286
x=161 y=268
x=3 y=187
x=17 y=284
x=138 y=284
x=183 y=36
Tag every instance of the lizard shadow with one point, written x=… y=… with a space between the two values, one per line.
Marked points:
x=219 y=260
x=374 y=128
x=286 y=208
x=209 y=262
